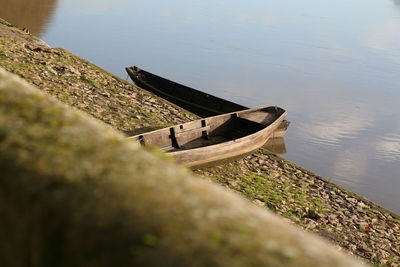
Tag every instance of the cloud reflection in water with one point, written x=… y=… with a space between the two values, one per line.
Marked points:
x=388 y=148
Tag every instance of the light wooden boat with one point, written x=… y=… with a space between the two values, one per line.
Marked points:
x=195 y=101
x=216 y=138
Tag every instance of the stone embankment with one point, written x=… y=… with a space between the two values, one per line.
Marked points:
x=354 y=224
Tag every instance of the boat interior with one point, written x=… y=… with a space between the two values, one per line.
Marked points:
x=210 y=131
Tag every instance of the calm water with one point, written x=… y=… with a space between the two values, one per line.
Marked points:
x=334 y=65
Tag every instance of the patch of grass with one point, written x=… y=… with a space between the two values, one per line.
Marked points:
x=24 y=65
x=390 y=261
x=86 y=80
x=394 y=220
x=3 y=56
x=113 y=90
x=275 y=193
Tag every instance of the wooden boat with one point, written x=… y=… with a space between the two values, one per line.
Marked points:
x=216 y=138
x=195 y=101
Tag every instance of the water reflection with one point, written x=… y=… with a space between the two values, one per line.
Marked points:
x=350 y=163
x=385 y=37
x=388 y=148
x=31 y=14
x=332 y=131
x=276 y=145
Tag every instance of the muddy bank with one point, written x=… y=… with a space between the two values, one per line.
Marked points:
x=351 y=222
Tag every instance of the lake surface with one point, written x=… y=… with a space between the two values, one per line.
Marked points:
x=334 y=65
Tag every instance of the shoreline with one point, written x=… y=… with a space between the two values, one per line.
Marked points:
x=350 y=221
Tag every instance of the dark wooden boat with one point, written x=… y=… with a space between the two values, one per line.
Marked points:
x=195 y=101
x=216 y=138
